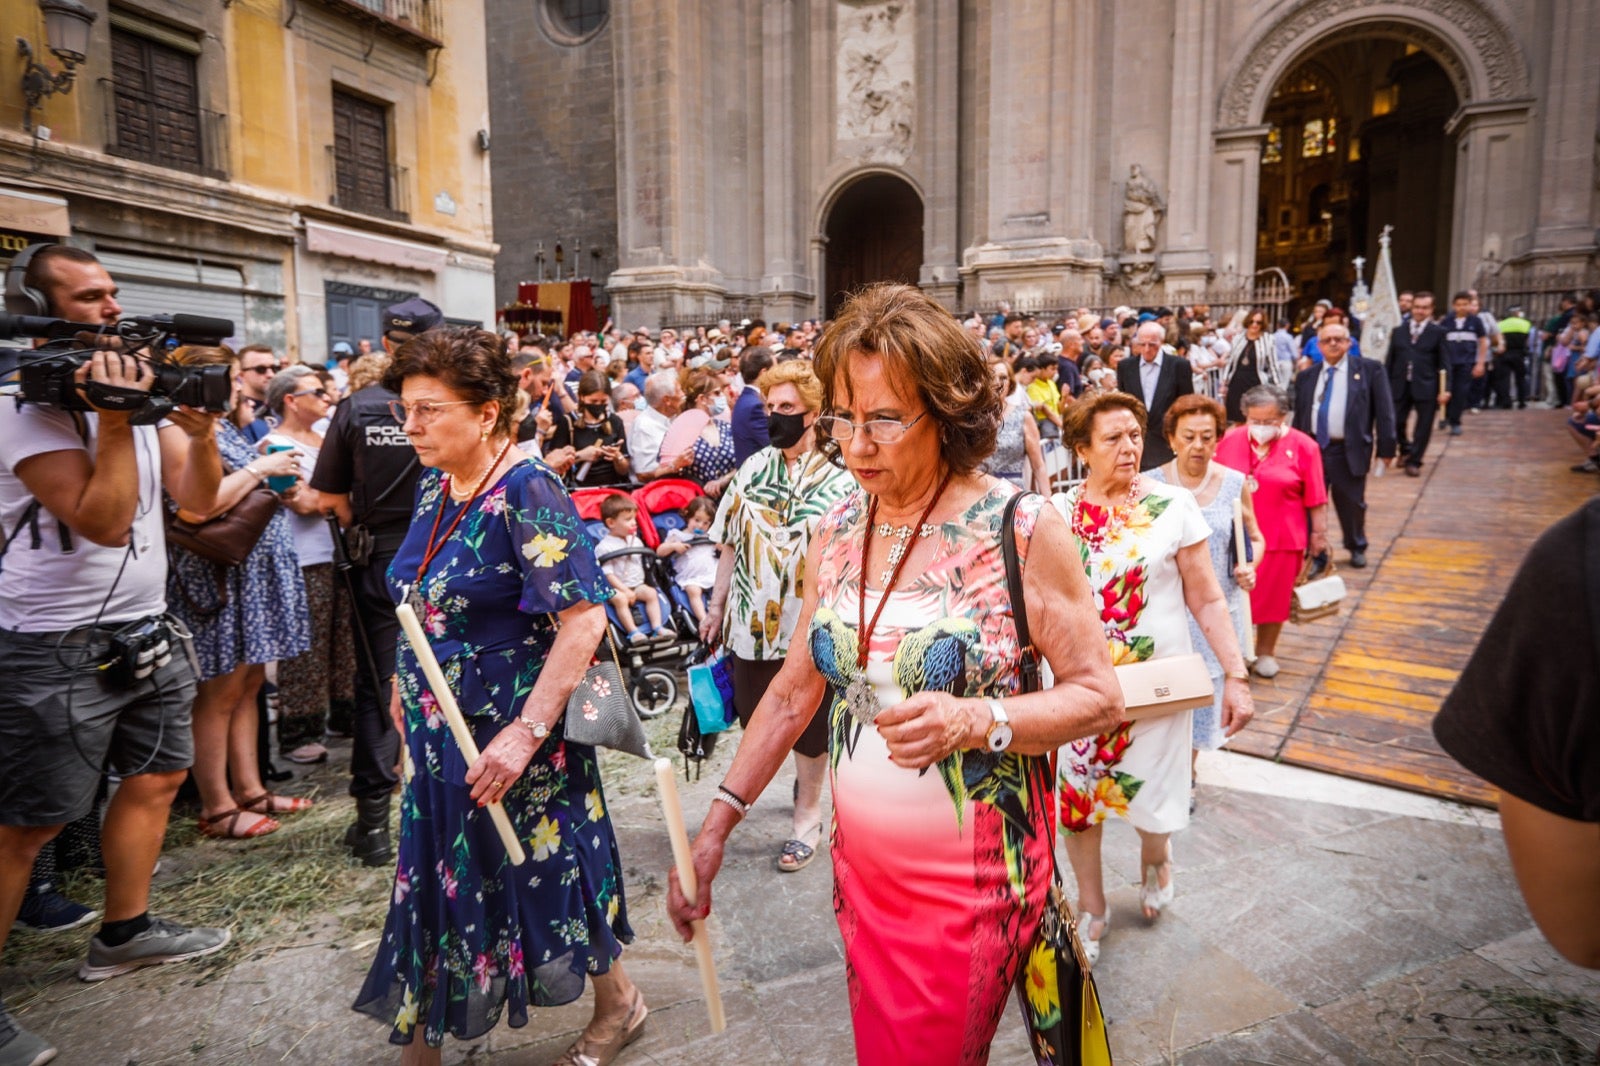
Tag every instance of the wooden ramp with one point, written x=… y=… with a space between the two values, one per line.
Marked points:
x=1357 y=693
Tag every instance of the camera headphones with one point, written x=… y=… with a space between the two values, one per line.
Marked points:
x=22 y=298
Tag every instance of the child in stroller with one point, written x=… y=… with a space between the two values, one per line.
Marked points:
x=693 y=555
x=624 y=570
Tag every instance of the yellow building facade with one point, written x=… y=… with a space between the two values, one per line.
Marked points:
x=294 y=165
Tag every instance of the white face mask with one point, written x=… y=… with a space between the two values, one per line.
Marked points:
x=1264 y=434
x=719 y=405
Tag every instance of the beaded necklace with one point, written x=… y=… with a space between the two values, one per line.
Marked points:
x=1094 y=525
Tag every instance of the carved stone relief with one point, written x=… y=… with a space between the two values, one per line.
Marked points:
x=876 y=94
x=1491 y=41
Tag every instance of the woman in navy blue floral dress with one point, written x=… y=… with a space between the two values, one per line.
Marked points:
x=505 y=582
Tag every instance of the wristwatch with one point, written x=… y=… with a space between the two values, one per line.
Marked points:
x=999 y=735
x=1243 y=675
x=538 y=729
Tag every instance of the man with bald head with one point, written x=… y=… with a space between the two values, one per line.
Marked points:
x=1158 y=378
x=1346 y=405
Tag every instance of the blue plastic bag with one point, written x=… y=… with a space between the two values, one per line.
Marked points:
x=711 y=690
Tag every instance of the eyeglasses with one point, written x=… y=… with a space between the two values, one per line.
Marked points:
x=269 y=369
x=879 y=430
x=424 y=411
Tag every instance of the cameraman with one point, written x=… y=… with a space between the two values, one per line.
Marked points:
x=367 y=474
x=86 y=565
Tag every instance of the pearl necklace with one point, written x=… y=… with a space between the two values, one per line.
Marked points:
x=476 y=482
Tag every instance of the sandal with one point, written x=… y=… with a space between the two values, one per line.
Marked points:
x=583 y=1053
x=1091 y=945
x=231 y=831
x=1153 y=897
x=797 y=854
x=308 y=754
x=272 y=803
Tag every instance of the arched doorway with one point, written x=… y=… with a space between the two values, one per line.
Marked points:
x=874 y=232
x=1356 y=141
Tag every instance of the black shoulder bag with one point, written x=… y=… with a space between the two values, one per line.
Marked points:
x=1054 y=986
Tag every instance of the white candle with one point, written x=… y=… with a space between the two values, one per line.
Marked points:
x=672 y=808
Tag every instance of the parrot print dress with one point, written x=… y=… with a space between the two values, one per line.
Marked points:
x=940 y=876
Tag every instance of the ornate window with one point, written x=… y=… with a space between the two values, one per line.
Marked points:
x=1272 y=151
x=1311 y=139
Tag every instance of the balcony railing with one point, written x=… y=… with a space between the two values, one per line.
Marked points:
x=421 y=20
x=141 y=127
x=355 y=189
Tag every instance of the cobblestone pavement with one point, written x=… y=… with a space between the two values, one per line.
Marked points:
x=1316 y=920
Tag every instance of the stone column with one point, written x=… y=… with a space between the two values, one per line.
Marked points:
x=1235 y=174
x=1565 y=219
x=663 y=276
x=1185 y=256
x=788 y=289
x=1491 y=185
x=939 y=146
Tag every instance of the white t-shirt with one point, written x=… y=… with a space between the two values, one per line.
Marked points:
x=312 y=540
x=629 y=569
x=48 y=590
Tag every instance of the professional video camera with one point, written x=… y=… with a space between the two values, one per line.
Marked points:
x=48 y=374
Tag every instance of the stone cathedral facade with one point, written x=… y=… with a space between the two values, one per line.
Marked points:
x=717 y=158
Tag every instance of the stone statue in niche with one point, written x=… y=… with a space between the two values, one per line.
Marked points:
x=877 y=78
x=1142 y=211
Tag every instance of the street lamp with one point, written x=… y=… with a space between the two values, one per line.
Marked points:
x=66 y=31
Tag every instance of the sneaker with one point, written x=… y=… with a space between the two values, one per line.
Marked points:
x=1588 y=466
x=163 y=942
x=1266 y=666
x=18 y=1047
x=1455 y=431
x=48 y=911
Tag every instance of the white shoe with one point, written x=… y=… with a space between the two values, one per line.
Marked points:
x=1266 y=666
x=1152 y=897
x=1086 y=922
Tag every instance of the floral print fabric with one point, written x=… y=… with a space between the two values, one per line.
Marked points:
x=939 y=876
x=469 y=935
x=1140 y=770
x=766 y=517
x=263 y=616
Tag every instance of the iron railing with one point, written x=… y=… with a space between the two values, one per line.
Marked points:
x=422 y=19
x=392 y=201
x=141 y=127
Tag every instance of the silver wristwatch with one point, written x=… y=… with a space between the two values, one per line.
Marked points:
x=999 y=735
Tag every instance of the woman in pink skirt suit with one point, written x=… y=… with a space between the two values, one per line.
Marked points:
x=1284 y=471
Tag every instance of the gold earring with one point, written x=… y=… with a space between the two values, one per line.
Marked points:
x=485 y=435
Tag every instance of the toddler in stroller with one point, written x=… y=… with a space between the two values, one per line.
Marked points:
x=693 y=555
x=624 y=569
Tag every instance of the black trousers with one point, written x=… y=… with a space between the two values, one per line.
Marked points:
x=375 y=746
x=1460 y=392
x=1349 y=494
x=1510 y=371
x=1408 y=397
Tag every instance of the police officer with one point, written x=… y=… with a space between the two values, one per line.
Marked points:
x=367 y=473
x=1511 y=365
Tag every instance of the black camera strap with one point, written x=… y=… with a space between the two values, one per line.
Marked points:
x=30 y=514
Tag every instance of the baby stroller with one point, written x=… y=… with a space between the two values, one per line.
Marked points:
x=653 y=664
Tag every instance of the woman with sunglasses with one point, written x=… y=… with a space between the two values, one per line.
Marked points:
x=311 y=683
x=1252 y=362
x=941 y=840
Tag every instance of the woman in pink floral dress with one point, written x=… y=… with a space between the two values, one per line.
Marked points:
x=942 y=822
x=1143 y=547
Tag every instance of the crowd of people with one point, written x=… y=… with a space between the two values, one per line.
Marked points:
x=845 y=543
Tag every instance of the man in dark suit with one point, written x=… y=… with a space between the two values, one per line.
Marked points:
x=1345 y=404
x=749 y=410
x=1158 y=379
x=1417 y=377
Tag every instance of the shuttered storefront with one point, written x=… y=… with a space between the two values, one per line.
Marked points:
x=153 y=285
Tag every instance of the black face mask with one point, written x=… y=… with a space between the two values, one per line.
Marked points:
x=785 y=431
x=595 y=410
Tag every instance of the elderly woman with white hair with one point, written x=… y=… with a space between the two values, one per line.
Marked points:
x=312 y=682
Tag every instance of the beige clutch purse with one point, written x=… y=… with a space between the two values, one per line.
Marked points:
x=1165 y=686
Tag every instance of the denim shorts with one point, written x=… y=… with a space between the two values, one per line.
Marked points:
x=63 y=723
